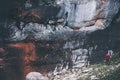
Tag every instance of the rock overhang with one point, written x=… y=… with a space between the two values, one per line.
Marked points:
x=61 y=20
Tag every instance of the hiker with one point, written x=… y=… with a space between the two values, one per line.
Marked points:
x=107 y=58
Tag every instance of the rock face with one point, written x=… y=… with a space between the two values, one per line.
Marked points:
x=43 y=21
x=35 y=76
x=49 y=36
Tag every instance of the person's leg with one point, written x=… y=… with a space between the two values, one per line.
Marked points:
x=107 y=61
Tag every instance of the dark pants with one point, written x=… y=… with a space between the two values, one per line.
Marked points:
x=107 y=61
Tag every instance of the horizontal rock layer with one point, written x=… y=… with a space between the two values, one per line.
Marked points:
x=42 y=20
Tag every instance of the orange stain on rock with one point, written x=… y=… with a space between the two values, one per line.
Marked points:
x=28 y=55
x=2 y=50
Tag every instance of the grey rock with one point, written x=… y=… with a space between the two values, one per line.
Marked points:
x=76 y=17
x=35 y=76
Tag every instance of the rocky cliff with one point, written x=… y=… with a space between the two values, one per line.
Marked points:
x=51 y=20
x=51 y=35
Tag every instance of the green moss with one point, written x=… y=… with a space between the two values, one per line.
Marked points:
x=114 y=75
